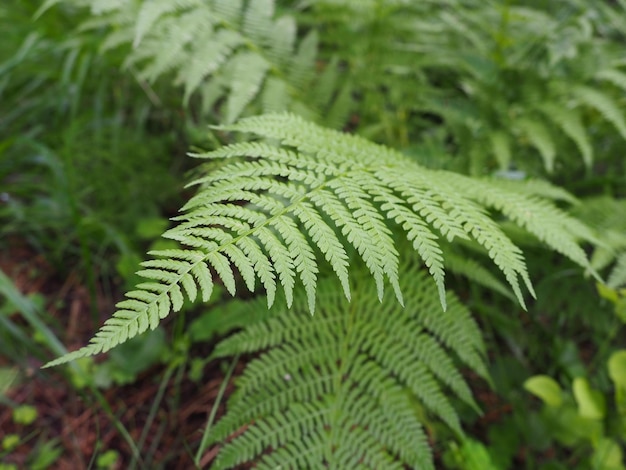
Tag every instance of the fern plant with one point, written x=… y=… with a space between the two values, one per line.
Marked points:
x=312 y=216
x=279 y=206
x=608 y=215
x=350 y=386
x=539 y=77
x=229 y=55
x=310 y=192
x=238 y=57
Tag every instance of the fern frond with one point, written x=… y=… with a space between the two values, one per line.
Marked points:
x=546 y=190
x=603 y=104
x=552 y=226
x=150 y=12
x=249 y=71
x=475 y=272
x=501 y=147
x=341 y=383
x=570 y=122
x=228 y=51
x=608 y=216
x=277 y=205
x=617 y=278
x=614 y=76
x=536 y=132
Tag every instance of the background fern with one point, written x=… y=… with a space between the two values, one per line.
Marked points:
x=233 y=56
x=226 y=54
x=350 y=386
x=607 y=215
x=554 y=57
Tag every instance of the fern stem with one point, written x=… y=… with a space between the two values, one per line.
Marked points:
x=336 y=413
x=218 y=400
x=153 y=410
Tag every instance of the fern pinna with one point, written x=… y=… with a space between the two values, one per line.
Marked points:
x=349 y=386
x=305 y=192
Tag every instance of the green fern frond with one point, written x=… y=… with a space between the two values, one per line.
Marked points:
x=475 y=272
x=539 y=136
x=343 y=383
x=559 y=231
x=249 y=71
x=277 y=205
x=608 y=216
x=614 y=76
x=228 y=51
x=617 y=278
x=546 y=190
x=570 y=122
x=501 y=147
x=150 y=12
x=603 y=104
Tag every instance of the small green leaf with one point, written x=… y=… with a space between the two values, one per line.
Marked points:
x=591 y=403
x=617 y=368
x=546 y=388
x=471 y=455
x=607 y=293
x=617 y=372
x=108 y=459
x=608 y=455
x=24 y=414
x=10 y=442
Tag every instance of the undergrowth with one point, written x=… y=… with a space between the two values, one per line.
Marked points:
x=362 y=149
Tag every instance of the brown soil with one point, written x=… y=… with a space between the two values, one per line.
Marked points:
x=75 y=419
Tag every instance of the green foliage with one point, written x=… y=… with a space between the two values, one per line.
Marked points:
x=68 y=186
x=108 y=460
x=555 y=57
x=304 y=197
x=45 y=453
x=607 y=215
x=587 y=418
x=24 y=414
x=399 y=67
x=470 y=455
x=294 y=211
x=224 y=53
x=352 y=383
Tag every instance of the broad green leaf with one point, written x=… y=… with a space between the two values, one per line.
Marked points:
x=591 y=403
x=546 y=388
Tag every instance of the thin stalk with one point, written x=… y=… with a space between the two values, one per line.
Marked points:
x=153 y=410
x=218 y=400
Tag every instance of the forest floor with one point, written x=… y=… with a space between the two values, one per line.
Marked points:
x=81 y=426
x=72 y=417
